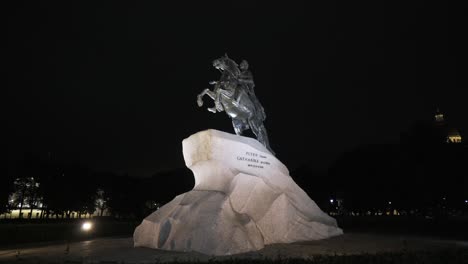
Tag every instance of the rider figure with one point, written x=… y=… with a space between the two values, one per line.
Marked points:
x=246 y=81
x=246 y=77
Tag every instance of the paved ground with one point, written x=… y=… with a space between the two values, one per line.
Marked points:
x=121 y=250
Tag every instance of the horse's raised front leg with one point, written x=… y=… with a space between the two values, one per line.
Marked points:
x=213 y=96
x=205 y=92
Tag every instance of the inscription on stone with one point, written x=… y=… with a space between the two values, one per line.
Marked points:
x=254 y=160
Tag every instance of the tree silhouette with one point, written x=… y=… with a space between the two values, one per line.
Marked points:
x=124 y=196
x=5 y=188
x=102 y=201
x=317 y=185
x=414 y=174
x=61 y=187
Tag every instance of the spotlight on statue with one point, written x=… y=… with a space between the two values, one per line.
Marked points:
x=87 y=226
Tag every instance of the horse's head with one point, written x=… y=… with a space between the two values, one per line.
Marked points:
x=226 y=64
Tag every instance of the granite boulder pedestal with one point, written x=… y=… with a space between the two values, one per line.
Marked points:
x=243 y=199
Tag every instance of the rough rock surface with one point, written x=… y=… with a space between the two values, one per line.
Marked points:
x=243 y=199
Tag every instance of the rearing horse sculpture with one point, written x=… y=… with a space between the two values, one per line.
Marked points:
x=234 y=94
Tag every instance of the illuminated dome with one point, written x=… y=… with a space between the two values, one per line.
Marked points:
x=453 y=136
x=439 y=117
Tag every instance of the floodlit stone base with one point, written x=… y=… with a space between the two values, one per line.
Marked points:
x=243 y=199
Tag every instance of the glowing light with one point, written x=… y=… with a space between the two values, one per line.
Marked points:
x=466 y=201
x=389 y=202
x=455 y=139
x=86 y=226
x=439 y=117
x=331 y=200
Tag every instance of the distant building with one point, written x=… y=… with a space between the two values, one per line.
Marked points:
x=25 y=202
x=451 y=134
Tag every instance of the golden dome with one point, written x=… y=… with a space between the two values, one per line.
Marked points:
x=453 y=136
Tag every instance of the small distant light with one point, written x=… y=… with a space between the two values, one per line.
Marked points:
x=86 y=226
x=443 y=198
x=466 y=201
x=389 y=202
x=331 y=200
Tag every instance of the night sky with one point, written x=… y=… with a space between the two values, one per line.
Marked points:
x=114 y=86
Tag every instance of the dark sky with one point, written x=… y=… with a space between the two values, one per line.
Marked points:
x=114 y=85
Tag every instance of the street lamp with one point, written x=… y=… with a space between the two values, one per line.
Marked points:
x=87 y=226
